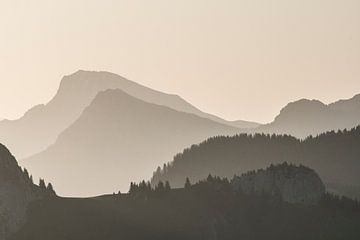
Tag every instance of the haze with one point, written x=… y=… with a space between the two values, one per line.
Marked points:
x=237 y=59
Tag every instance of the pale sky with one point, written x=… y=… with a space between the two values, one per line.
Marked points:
x=239 y=59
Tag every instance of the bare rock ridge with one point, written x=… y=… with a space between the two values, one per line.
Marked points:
x=293 y=184
x=16 y=192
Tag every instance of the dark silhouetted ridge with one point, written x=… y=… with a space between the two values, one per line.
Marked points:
x=334 y=155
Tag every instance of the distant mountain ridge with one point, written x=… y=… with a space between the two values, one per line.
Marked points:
x=312 y=117
x=117 y=139
x=41 y=125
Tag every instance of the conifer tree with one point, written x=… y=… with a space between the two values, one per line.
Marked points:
x=167 y=186
x=50 y=188
x=26 y=173
x=187 y=183
x=132 y=188
x=160 y=187
x=42 y=184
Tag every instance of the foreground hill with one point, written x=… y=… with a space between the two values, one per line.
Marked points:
x=17 y=191
x=42 y=124
x=335 y=156
x=311 y=117
x=207 y=210
x=293 y=184
x=118 y=139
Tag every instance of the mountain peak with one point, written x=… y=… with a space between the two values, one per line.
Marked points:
x=305 y=103
x=87 y=73
x=302 y=106
x=85 y=78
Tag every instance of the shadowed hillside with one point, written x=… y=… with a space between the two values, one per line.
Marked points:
x=335 y=156
x=207 y=210
x=17 y=191
x=293 y=184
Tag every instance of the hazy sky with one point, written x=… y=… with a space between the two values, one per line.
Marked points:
x=240 y=59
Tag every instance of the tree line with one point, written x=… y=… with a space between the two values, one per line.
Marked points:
x=334 y=155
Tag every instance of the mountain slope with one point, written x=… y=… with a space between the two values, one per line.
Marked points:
x=118 y=139
x=42 y=124
x=16 y=192
x=335 y=156
x=311 y=117
x=243 y=124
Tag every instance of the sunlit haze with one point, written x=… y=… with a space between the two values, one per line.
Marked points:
x=234 y=58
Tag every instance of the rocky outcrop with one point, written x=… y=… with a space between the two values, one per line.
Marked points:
x=293 y=184
x=16 y=192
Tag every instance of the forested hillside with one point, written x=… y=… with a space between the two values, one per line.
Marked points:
x=209 y=210
x=334 y=155
x=17 y=191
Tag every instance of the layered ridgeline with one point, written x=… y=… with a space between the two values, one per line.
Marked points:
x=118 y=139
x=42 y=124
x=334 y=155
x=290 y=204
x=16 y=192
x=311 y=117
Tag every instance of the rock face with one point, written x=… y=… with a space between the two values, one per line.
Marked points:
x=16 y=192
x=294 y=184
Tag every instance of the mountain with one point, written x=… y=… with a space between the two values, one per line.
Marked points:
x=16 y=192
x=118 y=139
x=311 y=117
x=210 y=209
x=243 y=124
x=334 y=155
x=41 y=125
